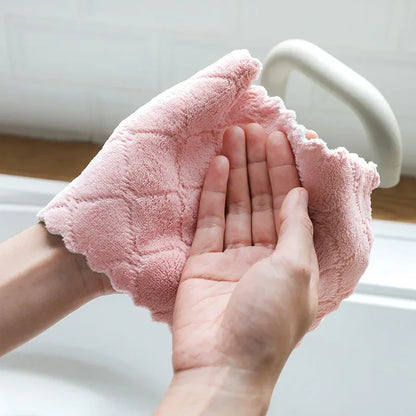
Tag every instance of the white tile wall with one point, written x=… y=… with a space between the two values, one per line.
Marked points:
x=321 y=21
x=395 y=78
x=214 y=17
x=73 y=69
x=408 y=38
x=184 y=55
x=111 y=105
x=71 y=52
x=41 y=8
x=41 y=109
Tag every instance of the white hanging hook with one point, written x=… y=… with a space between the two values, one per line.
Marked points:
x=366 y=100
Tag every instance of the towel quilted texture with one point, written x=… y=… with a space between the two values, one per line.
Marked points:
x=132 y=212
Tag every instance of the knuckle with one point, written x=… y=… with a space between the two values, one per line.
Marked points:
x=238 y=243
x=239 y=206
x=298 y=219
x=302 y=272
x=210 y=221
x=261 y=202
x=296 y=268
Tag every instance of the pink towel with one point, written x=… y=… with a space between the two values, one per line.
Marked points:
x=132 y=212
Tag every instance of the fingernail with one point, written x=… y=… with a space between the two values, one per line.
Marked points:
x=299 y=197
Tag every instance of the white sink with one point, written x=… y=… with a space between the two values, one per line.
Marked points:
x=91 y=363
x=108 y=358
x=48 y=384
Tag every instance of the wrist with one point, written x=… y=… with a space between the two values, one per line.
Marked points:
x=94 y=284
x=40 y=283
x=86 y=282
x=217 y=391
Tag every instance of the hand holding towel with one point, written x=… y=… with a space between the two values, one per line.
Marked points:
x=132 y=212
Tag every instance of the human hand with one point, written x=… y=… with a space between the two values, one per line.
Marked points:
x=248 y=292
x=40 y=283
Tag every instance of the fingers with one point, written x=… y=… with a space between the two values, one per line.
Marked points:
x=238 y=206
x=295 y=248
x=209 y=234
x=262 y=221
x=311 y=134
x=260 y=172
x=296 y=232
x=282 y=171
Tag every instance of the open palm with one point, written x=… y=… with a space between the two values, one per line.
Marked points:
x=248 y=292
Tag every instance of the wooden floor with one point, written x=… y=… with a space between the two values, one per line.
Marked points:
x=65 y=160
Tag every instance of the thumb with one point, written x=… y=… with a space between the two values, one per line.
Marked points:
x=295 y=237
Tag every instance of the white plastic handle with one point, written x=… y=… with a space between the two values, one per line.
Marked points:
x=366 y=100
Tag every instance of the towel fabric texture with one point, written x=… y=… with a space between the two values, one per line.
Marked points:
x=132 y=212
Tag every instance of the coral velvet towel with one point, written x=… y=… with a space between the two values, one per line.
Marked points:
x=132 y=212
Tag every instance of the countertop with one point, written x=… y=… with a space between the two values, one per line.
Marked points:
x=60 y=160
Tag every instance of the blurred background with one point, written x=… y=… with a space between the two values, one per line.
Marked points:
x=73 y=69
